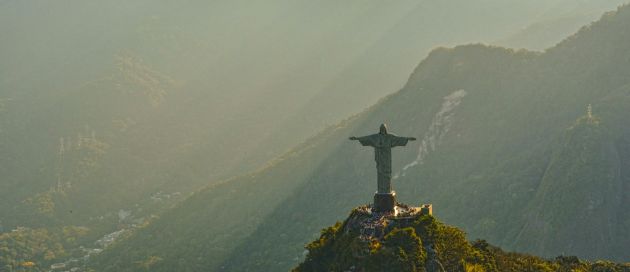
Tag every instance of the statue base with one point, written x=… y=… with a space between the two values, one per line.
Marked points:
x=384 y=202
x=426 y=209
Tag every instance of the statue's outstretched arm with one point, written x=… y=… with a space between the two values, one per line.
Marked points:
x=365 y=140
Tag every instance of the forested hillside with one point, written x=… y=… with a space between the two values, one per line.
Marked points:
x=507 y=151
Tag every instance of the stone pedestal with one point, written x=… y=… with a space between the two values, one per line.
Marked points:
x=384 y=202
x=426 y=209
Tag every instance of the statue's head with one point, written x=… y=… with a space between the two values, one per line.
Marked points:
x=383 y=129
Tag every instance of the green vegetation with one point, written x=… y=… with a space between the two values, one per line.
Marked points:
x=27 y=249
x=516 y=165
x=404 y=246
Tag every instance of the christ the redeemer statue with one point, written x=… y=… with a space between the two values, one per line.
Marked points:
x=384 y=200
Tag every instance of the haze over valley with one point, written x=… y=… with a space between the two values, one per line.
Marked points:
x=212 y=135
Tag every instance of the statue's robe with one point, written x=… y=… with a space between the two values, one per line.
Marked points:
x=383 y=144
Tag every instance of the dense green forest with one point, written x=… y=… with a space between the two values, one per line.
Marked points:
x=422 y=243
x=507 y=151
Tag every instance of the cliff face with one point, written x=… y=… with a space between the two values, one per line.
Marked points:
x=414 y=241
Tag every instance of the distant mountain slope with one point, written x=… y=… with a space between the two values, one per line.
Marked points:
x=170 y=95
x=565 y=18
x=500 y=153
x=586 y=168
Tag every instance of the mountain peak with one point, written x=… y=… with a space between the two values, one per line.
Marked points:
x=372 y=241
x=414 y=240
